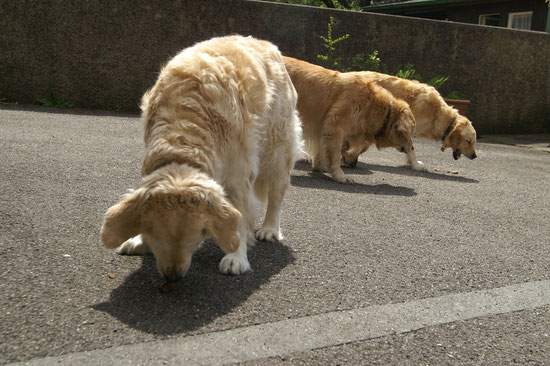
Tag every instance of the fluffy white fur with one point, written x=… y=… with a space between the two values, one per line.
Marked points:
x=221 y=132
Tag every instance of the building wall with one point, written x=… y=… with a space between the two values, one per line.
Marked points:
x=470 y=14
x=98 y=56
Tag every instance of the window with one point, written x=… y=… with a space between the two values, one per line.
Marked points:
x=490 y=19
x=520 y=20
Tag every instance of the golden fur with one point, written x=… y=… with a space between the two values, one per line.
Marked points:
x=221 y=130
x=433 y=116
x=338 y=106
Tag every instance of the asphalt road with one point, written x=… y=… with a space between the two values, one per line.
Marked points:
x=402 y=267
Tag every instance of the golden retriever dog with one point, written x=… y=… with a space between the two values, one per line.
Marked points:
x=335 y=107
x=221 y=132
x=435 y=120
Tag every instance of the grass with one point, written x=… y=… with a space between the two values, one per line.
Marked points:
x=54 y=102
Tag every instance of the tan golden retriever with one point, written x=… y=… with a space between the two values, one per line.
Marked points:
x=335 y=107
x=435 y=120
x=221 y=129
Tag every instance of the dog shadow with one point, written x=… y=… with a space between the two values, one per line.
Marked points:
x=203 y=295
x=322 y=181
x=367 y=169
x=363 y=168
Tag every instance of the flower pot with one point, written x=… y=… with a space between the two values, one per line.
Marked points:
x=461 y=105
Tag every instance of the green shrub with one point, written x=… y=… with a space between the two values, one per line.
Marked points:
x=54 y=102
x=367 y=62
x=330 y=60
x=362 y=62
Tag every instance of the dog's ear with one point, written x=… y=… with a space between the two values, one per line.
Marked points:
x=222 y=223
x=122 y=221
x=407 y=121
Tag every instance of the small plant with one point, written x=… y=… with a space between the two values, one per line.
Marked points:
x=438 y=81
x=54 y=102
x=329 y=59
x=363 y=62
x=408 y=72
x=368 y=62
x=115 y=108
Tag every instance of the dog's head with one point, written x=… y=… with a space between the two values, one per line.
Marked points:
x=175 y=209
x=461 y=139
x=398 y=132
x=401 y=128
x=350 y=153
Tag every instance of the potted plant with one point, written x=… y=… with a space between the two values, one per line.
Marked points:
x=461 y=105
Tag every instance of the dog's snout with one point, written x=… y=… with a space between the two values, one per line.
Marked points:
x=172 y=278
x=473 y=156
x=172 y=275
x=352 y=164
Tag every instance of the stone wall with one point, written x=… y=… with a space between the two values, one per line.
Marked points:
x=98 y=54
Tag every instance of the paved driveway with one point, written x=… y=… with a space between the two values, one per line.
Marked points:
x=402 y=267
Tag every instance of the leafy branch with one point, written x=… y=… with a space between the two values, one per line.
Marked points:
x=329 y=59
x=368 y=62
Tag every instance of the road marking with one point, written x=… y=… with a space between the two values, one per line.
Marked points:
x=316 y=331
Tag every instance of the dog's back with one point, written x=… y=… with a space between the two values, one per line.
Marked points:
x=317 y=89
x=424 y=100
x=433 y=115
x=231 y=91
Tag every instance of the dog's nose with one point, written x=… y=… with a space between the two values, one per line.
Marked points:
x=473 y=156
x=172 y=275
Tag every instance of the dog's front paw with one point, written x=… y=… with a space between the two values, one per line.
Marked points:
x=419 y=166
x=134 y=246
x=343 y=179
x=234 y=264
x=267 y=233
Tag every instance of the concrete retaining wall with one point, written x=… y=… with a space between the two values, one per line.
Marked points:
x=100 y=54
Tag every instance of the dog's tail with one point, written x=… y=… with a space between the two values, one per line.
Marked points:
x=299 y=148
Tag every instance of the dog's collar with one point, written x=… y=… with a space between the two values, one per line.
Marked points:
x=448 y=130
x=382 y=132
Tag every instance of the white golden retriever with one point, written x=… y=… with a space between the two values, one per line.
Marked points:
x=221 y=129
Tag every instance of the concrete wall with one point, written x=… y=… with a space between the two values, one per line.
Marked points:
x=99 y=54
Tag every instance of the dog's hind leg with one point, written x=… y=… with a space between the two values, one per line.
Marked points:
x=315 y=156
x=276 y=188
x=273 y=179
